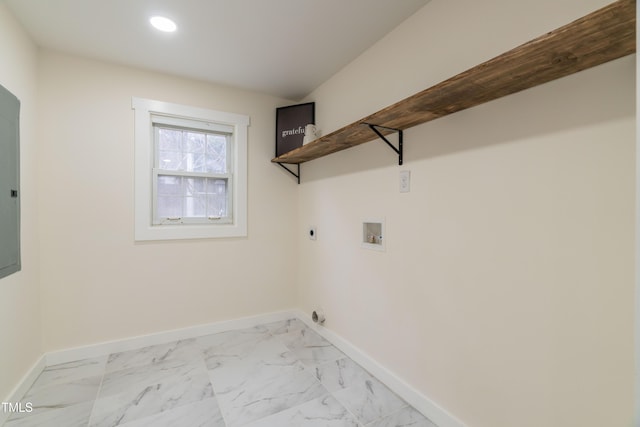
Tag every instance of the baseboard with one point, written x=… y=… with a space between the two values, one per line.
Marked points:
x=104 y=348
x=23 y=386
x=426 y=406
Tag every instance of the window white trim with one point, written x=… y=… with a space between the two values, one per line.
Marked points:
x=146 y=112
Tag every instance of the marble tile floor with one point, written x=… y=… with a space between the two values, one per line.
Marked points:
x=274 y=375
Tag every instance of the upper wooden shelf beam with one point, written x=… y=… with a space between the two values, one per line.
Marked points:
x=602 y=36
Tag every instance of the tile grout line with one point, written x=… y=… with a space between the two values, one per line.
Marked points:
x=95 y=400
x=329 y=393
x=201 y=352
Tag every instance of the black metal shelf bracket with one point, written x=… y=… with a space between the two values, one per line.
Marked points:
x=297 y=175
x=399 y=151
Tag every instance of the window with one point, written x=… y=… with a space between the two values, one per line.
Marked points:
x=191 y=172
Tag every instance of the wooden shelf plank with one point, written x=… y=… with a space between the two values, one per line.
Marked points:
x=602 y=36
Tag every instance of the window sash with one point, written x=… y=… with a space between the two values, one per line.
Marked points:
x=202 y=125
x=182 y=219
x=229 y=149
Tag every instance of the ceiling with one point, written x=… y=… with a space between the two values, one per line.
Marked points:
x=282 y=47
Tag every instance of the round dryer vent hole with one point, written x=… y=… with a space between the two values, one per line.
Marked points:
x=318 y=316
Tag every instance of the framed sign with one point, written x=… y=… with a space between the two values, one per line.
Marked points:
x=290 y=124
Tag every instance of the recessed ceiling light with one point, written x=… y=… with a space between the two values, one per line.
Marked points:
x=163 y=24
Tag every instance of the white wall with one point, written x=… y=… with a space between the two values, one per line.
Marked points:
x=97 y=283
x=20 y=334
x=506 y=291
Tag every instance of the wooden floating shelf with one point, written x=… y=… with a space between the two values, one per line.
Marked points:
x=604 y=35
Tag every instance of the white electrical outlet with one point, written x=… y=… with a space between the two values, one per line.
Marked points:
x=405 y=181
